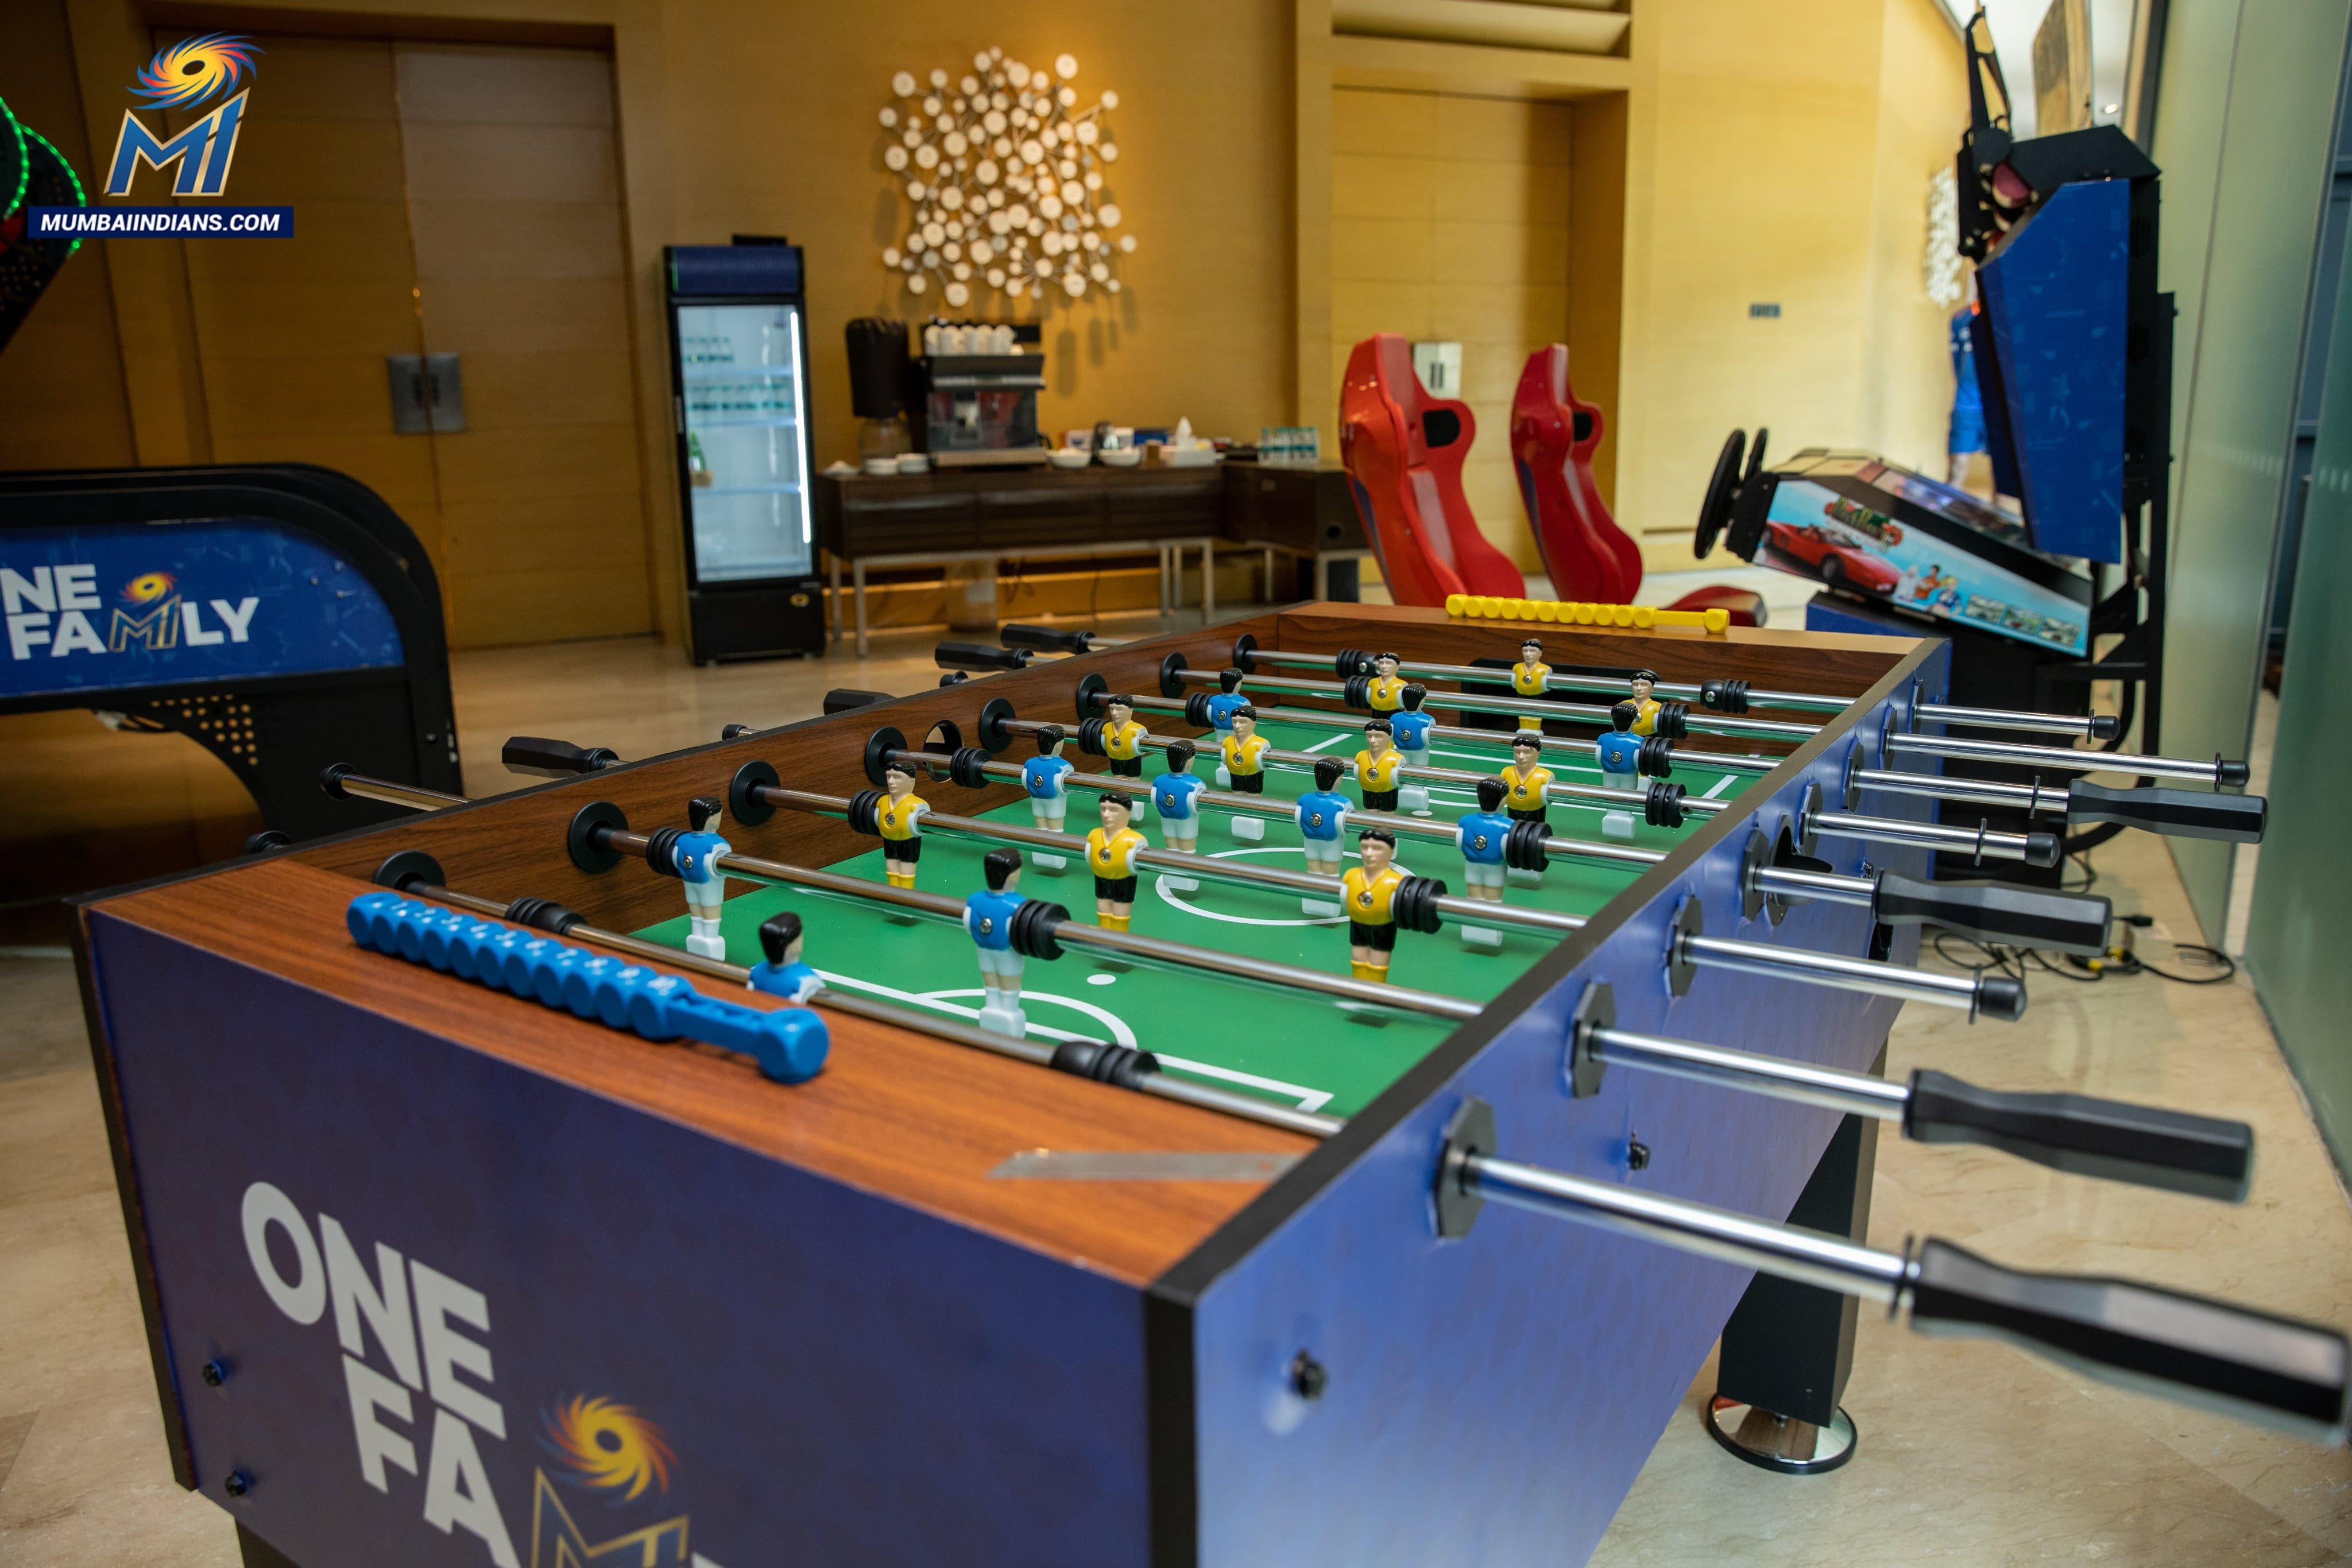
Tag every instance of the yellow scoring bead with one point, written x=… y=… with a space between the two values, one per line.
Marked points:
x=1645 y=617
x=1510 y=611
x=1547 y=610
x=1717 y=621
x=1490 y=607
x=1583 y=614
x=1620 y=614
x=1458 y=604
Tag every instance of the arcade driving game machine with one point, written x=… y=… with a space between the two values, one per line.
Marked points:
x=281 y=615
x=2073 y=347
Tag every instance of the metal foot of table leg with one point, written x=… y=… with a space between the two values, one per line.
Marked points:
x=1778 y=1443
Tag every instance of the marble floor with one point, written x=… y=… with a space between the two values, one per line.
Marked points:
x=1971 y=1453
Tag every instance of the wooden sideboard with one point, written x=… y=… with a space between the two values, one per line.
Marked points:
x=955 y=515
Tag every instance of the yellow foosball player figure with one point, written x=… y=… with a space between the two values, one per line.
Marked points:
x=1531 y=678
x=1244 y=751
x=1369 y=891
x=1525 y=780
x=1645 y=707
x=902 y=839
x=1122 y=742
x=1385 y=690
x=1110 y=855
x=1377 y=765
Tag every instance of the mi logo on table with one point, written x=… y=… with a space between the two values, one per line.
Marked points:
x=185 y=75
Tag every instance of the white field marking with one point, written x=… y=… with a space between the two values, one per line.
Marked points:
x=937 y=1001
x=1334 y=740
x=1718 y=788
x=1165 y=892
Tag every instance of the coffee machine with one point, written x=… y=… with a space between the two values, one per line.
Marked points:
x=975 y=402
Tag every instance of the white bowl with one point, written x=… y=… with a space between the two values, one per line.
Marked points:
x=1070 y=457
x=914 y=463
x=880 y=465
x=1130 y=459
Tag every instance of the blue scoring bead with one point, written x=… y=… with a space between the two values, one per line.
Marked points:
x=649 y=1010
x=367 y=918
x=789 y=1045
x=614 y=989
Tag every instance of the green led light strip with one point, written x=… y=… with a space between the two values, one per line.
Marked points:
x=81 y=195
x=15 y=133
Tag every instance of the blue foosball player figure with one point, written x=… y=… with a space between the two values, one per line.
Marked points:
x=1172 y=796
x=781 y=973
x=988 y=920
x=694 y=858
x=1619 y=751
x=1049 y=800
x=1322 y=815
x=1479 y=835
x=1410 y=727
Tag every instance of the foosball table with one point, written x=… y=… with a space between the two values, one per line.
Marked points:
x=674 y=1163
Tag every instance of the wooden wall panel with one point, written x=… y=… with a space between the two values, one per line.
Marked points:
x=513 y=187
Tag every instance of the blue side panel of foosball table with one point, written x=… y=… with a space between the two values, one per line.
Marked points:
x=1490 y=1399
x=840 y=1378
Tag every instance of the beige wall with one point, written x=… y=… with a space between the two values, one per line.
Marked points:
x=1779 y=150
x=1772 y=149
x=743 y=116
x=1450 y=222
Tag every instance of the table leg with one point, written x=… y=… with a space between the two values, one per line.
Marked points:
x=1208 y=581
x=1164 y=580
x=1271 y=596
x=833 y=596
x=857 y=574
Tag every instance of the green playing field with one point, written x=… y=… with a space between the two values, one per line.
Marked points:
x=1299 y=1048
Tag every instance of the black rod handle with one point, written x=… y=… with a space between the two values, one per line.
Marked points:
x=548 y=759
x=1997 y=912
x=2177 y=813
x=2143 y=1145
x=2272 y=1370
x=978 y=657
x=2001 y=997
x=1044 y=639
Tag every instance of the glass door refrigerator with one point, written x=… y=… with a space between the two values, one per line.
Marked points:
x=739 y=378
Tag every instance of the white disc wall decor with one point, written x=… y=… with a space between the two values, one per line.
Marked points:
x=1003 y=150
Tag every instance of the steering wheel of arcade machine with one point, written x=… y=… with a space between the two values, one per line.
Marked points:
x=1719 y=511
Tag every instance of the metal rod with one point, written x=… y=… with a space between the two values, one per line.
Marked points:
x=2001 y=718
x=1304 y=761
x=1729 y=761
x=1979 y=841
x=1827 y=886
x=2047 y=798
x=1461 y=911
x=1208 y=1097
x=1853 y=1092
x=1680 y=691
x=1253 y=806
x=1807 y=1256
x=1699 y=723
x=1686 y=691
x=1832 y=969
x=413 y=797
x=2208 y=772
x=1129 y=943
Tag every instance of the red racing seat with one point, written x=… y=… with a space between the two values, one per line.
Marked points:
x=1587 y=555
x=1403 y=451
